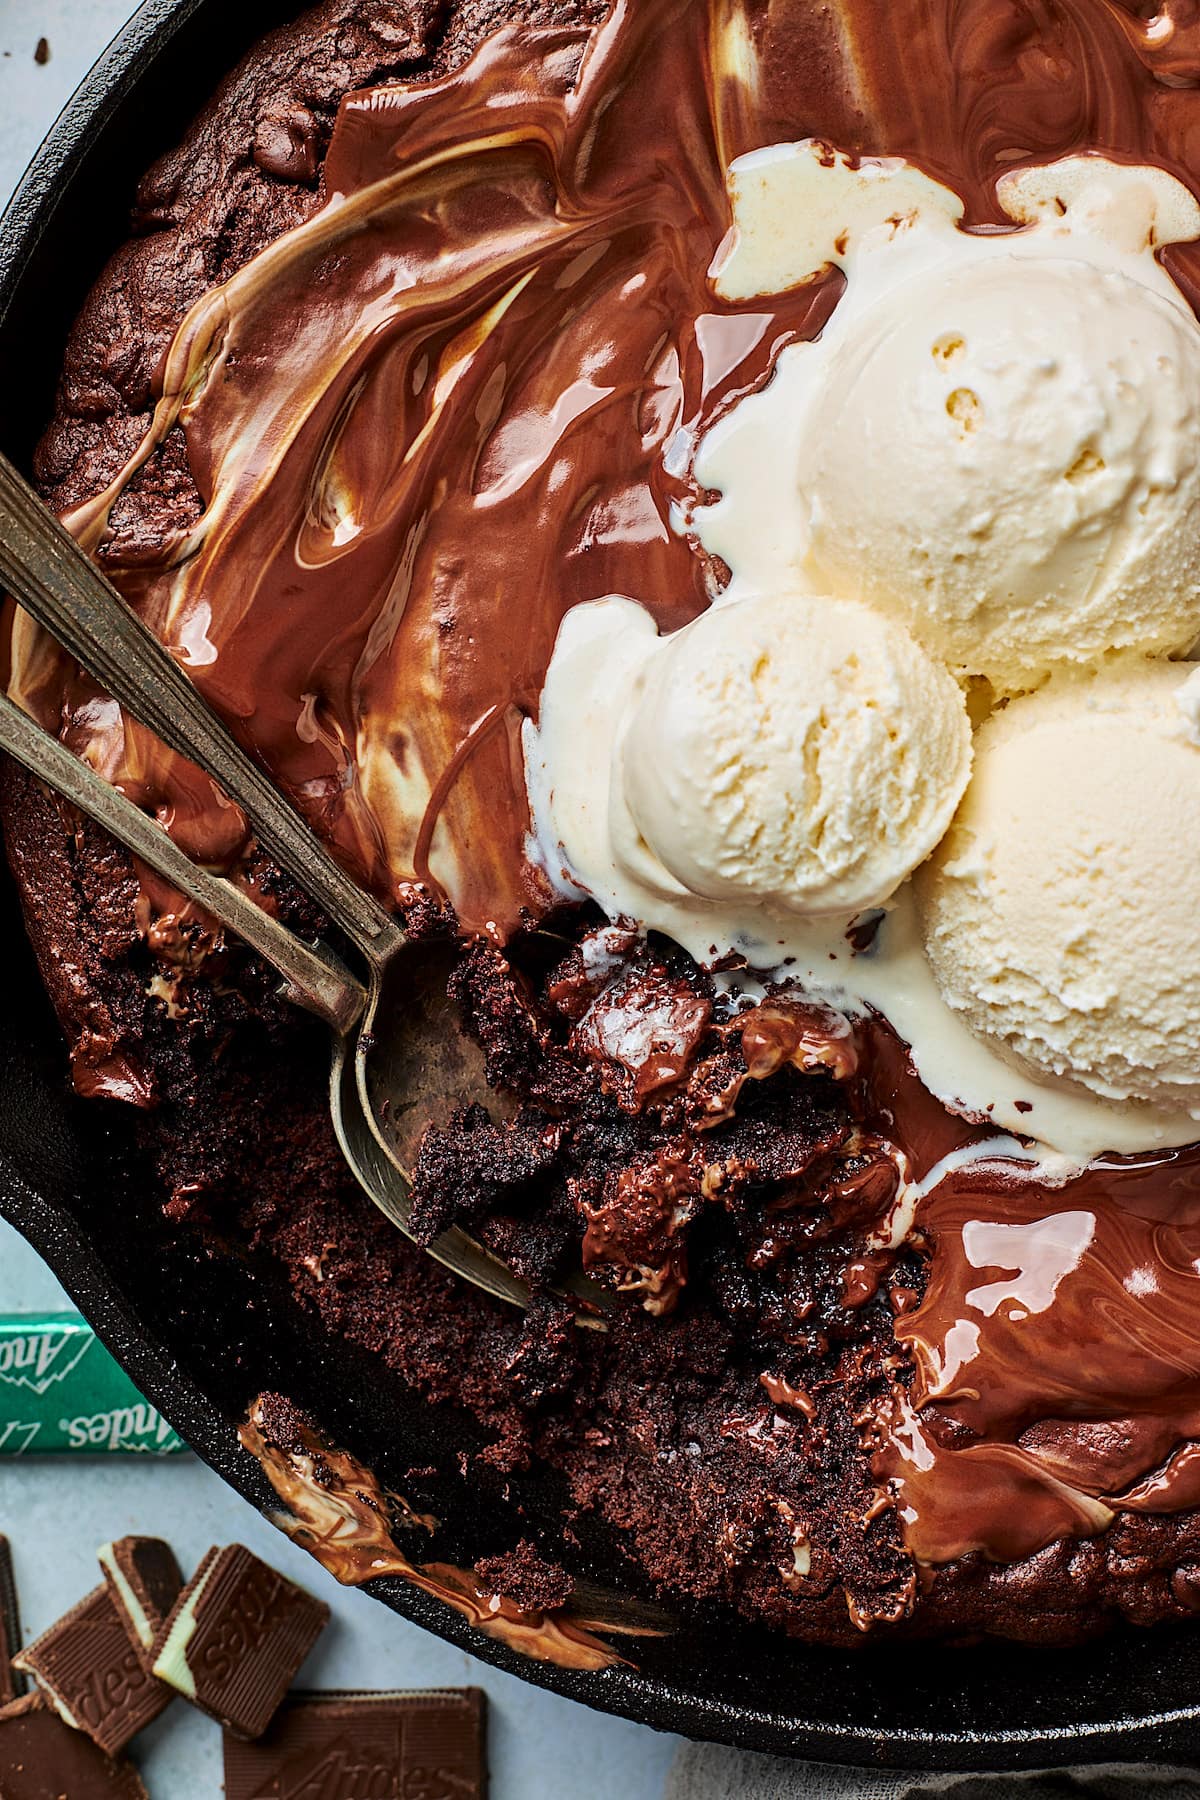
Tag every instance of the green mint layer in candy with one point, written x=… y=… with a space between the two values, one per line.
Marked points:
x=60 y=1391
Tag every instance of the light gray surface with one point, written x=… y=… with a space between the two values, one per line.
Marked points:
x=57 y=1513
x=32 y=95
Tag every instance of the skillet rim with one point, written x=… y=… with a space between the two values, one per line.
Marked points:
x=27 y=226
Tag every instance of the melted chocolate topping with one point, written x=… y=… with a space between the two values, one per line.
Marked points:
x=442 y=411
x=449 y=406
x=426 y=423
x=1057 y=1358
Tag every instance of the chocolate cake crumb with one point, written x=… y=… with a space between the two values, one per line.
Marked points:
x=477 y=1167
x=525 y=1578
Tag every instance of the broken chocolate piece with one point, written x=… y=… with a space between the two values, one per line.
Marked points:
x=643 y=1028
x=428 y=1743
x=144 y=1581
x=286 y=144
x=11 y=1682
x=92 y=1676
x=43 y=1759
x=235 y=1639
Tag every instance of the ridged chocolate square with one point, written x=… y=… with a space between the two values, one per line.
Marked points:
x=235 y=1639
x=43 y=1759
x=343 y=1746
x=92 y=1675
x=11 y=1681
x=144 y=1580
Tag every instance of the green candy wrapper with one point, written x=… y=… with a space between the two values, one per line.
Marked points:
x=60 y=1391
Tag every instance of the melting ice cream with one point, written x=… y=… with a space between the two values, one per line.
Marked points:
x=981 y=473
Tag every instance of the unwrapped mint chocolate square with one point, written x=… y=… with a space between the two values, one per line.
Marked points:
x=144 y=1581
x=41 y=1758
x=11 y=1681
x=235 y=1639
x=89 y=1670
x=422 y=1743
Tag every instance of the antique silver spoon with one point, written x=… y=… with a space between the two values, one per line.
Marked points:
x=399 y=1061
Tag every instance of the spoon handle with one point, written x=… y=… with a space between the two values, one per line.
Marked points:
x=314 y=979
x=47 y=572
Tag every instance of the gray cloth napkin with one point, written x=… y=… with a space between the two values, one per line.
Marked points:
x=709 y=1772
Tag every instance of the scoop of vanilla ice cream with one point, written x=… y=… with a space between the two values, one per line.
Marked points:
x=1059 y=913
x=790 y=751
x=1006 y=461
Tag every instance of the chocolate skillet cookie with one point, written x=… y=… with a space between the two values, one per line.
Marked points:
x=733 y=1158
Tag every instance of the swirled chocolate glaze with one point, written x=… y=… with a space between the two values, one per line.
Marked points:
x=457 y=401
x=428 y=422
x=1057 y=1358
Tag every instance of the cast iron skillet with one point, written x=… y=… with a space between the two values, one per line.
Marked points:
x=202 y=1336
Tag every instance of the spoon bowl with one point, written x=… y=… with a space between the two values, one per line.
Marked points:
x=399 y=1061
x=409 y=1067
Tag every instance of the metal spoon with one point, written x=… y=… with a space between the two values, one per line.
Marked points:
x=399 y=1060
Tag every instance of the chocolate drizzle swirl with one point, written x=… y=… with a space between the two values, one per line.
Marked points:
x=427 y=422
x=1056 y=1355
